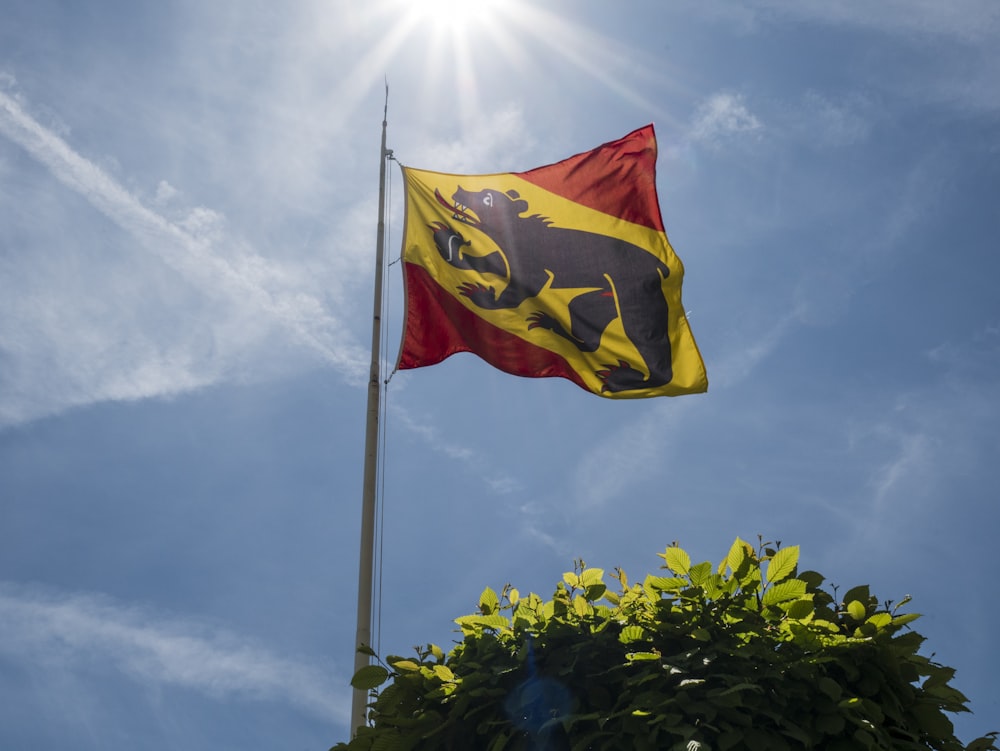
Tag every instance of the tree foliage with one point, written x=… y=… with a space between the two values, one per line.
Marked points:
x=748 y=654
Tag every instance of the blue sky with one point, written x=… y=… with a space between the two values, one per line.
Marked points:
x=188 y=194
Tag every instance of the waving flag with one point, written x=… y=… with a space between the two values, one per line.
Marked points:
x=564 y=270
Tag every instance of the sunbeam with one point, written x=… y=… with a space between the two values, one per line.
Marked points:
x=463 y=50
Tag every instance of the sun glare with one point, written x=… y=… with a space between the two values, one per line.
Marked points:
x=457 y=50
x=456 y=15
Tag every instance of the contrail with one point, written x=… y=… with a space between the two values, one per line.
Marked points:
x=302 y=314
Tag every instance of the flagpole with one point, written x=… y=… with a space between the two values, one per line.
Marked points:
x=359 y=700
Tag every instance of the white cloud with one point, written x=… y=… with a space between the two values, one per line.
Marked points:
x=492 y=140
x=84 y=634
x=165 y=192
x=63 y=327
x=503 y=484
x=721 y=117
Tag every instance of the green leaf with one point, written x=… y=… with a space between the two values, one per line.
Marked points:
x=790 y=589
x=783 y=563
x=389 y=743
x=860 y=593
x=739 y=687
x=591 y=576
x=737 y=555
x=548 y=610
x=901 y=603
x=677 y=560
x=489 y=603
x=939 y=677
x=985 y=743
x=714 y=586
x=369 y=677
x=631 y=633
x=933 y=721
x=751 y=583
x=640 y=656
x=444 y=673
x=813 y=579
x=595 y=592
x=800 y=609
x=485 y=621
x=664 y=583
x=829 y=687
x=864 y=739
x=700 y=573
x=856 y=610
x=405 y=665
x=880 y=620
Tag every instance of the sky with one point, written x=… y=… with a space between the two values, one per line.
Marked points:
x=188 y=203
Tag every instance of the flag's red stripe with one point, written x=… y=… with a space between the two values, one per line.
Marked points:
x=618 y=178
x=438 y=326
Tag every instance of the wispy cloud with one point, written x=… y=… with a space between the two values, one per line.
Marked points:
x=251 y=296
x=491 y=140
x=754 y=344
x=911 y=454
x=970 y=357
x=918 y=450
x=86 y=634
x=533 y=526
x=721 y=117
x=626 y=457
x=474 y=462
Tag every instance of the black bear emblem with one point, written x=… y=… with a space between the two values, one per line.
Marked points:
x=622 y=280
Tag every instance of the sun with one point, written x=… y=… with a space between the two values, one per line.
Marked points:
x=455 y=52
x=456 y=15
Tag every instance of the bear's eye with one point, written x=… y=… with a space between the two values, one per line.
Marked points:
x=488 y=200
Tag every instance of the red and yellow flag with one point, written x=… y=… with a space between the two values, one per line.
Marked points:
x=564 y=270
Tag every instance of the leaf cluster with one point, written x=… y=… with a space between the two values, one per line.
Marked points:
x=749 y=654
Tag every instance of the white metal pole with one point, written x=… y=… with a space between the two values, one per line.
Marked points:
x=359 y=699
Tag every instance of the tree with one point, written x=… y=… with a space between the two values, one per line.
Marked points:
x=749 y=654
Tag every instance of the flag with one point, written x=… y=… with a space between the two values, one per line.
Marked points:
x=564 y=270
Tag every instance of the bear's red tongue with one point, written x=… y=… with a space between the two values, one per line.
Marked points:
x=458 y=211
